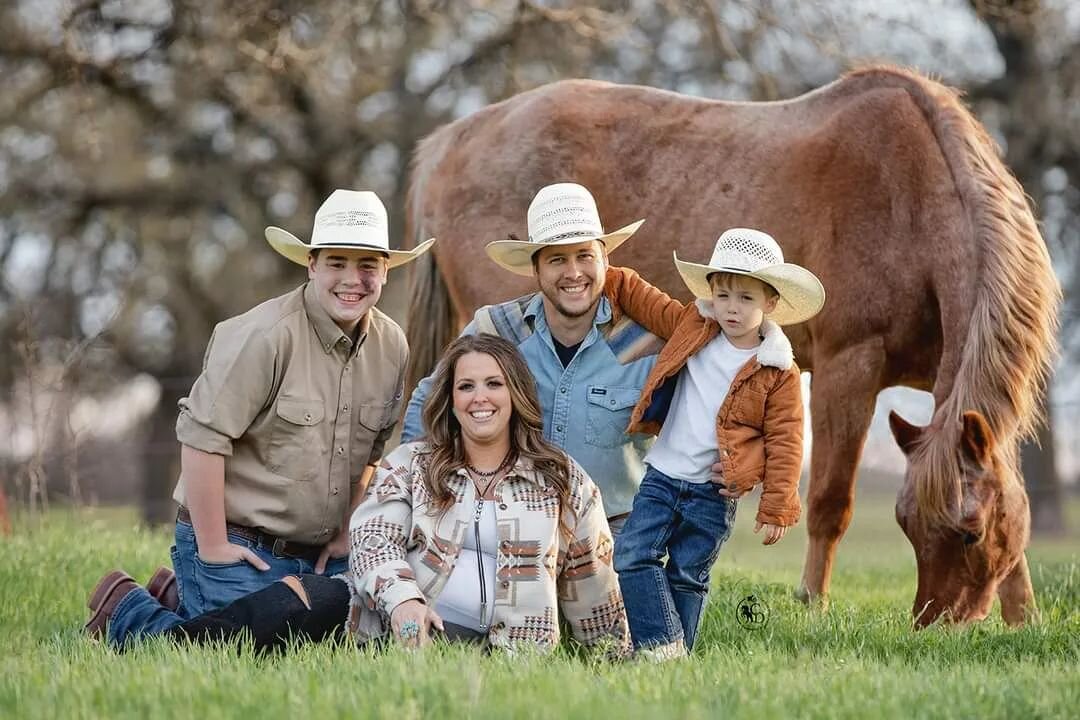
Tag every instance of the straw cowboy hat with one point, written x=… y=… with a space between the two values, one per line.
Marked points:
x=347 y=220
x=755 y=254
x=560 y=214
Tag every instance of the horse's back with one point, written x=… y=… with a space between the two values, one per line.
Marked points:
x=848 y=178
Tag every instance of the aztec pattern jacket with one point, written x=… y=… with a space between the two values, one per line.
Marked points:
x=400 y=551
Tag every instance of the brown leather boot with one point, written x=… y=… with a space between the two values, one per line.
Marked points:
x=108 y=593
x=162 y=585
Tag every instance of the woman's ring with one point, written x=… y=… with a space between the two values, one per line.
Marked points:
x=409 y=629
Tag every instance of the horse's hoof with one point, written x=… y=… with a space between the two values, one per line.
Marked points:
x=815 y=602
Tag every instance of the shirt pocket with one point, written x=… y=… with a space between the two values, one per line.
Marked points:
x=374 y=415
x=750 y=407
x=371 y=418
x=296 y=440
x=609 y=408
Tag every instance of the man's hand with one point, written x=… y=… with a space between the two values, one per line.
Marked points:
x=772 y=532
x=716 y=477
x=336 y=548
x=417 y=619
x=229 y=553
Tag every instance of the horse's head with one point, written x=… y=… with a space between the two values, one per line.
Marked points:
x=964 y=509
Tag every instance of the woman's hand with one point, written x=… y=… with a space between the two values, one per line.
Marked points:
x=772 y=532
x=411 y=623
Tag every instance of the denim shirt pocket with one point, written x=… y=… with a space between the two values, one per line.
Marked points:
x=609 y=413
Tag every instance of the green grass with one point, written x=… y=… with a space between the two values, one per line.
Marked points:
x=858 y=659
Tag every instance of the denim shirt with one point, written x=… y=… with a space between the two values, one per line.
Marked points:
x=587 y=404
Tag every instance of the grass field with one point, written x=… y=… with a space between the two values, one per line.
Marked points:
x=859 y=659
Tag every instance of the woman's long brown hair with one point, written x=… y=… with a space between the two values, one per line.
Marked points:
x=447 y=451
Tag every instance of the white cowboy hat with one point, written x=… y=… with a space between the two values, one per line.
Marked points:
x=755 y=254
x=347 y=220
x=560 y=214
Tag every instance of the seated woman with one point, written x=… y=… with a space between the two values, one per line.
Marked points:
x=482 y=531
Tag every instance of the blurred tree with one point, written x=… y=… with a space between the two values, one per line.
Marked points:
x=1035 y=104
x=144 y=144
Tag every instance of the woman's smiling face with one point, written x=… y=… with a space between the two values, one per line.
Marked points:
x=482 y=402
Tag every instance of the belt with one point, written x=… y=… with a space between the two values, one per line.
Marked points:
x=278 y=546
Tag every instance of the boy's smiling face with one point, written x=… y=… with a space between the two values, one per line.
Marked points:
x=348 y=283
x=740 y=304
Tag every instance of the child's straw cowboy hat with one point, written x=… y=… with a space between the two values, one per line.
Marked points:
x=755 y=254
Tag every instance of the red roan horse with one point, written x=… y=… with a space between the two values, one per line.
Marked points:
x=881 y=183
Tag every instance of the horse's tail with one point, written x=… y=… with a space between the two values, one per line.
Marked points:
x=432 y=319
x=1010 y=345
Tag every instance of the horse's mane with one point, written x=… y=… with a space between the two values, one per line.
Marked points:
x=1011 y=337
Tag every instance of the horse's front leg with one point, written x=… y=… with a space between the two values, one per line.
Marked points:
x=842 y=394
x=1017 y=596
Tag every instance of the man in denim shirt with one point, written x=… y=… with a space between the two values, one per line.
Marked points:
x=589 y=363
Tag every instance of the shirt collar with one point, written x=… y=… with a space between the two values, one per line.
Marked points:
x=524 y=468
x=329 y=333
x=535 y=309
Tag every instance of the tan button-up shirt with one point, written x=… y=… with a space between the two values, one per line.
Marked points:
x=297 y=409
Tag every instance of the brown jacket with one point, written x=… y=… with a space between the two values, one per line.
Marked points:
x=759 y=429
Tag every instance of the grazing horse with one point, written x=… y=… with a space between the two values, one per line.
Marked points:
x=881 y=183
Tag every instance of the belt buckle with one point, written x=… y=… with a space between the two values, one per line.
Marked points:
x=279 y=548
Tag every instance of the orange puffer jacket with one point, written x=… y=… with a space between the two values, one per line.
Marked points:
x=759 y=428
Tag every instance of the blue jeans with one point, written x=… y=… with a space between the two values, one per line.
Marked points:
x=688 y=522
x=204 y=587
x=270 y=618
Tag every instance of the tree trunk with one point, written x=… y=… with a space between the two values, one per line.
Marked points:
x=161 y=459
x=1043 y=484
x=1025 y=91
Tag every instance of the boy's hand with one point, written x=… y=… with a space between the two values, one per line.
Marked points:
x=716 y=477
x=772 y=532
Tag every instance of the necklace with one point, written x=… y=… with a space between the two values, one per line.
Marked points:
x=489 y=473
x=492 y=476
x=483 y=493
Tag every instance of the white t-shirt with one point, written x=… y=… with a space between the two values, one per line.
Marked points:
x=686 y=448
x=459 y=602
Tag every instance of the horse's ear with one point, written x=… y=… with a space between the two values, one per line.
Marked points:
x=977 y=440
x=905 y=433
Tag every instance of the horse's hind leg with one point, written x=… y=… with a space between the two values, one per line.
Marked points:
x=842 y=394
x=1017 y=595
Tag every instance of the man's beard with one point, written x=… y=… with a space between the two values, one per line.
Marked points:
x=567 y=312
